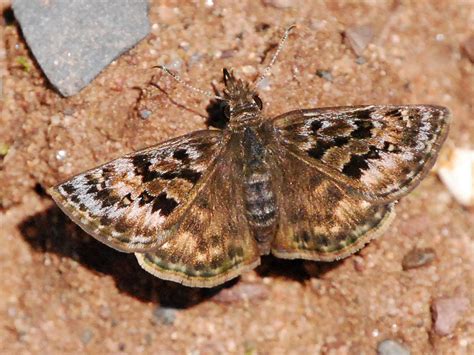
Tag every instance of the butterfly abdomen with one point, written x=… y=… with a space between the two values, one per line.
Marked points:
x=260 y=201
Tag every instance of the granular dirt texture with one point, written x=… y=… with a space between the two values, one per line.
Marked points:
x=62 y=291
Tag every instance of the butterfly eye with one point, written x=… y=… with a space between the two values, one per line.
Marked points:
x=258 y=101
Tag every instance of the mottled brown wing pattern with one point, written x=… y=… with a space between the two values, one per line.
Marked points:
x=213 y=242
x=378 y=152
x=131 y=203
x=318 y=219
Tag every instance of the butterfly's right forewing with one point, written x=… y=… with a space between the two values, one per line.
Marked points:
x=133 y=202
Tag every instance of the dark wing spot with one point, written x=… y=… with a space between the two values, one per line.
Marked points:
x=363 y=130
x=323 y=146
x=340 y=141
x=68 y=188
x=362 y=114
x=164 y=204
x=92 y=190
x=91 y=180
x=316 y=126
x=185 y=174
x=190 y=175
x=355 y=166
x=372 y=154
x=359 y=162
x=394 y=113
x=142 y=166
x=107 y=198
x=182 y=155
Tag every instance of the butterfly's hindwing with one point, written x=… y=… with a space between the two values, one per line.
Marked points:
x=132 y=202
x=319 y=220
x=380 y=152
x=213 y=241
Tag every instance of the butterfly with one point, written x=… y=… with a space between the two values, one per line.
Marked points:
x=315 y=184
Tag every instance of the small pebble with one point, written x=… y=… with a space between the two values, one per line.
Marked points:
x=447 y=312
x=86 y=336
x=391 y=347
x=4 y=148
x=195 y=58
x=325 y=74
x=242 y=292
x=417 y=258
x=164 y=315
x=264 y=84
x=279 y=4
x=61 y=154
x=358 y=37
x=249 y=70
x=69 y=111
x=227 y=53
x=262 y=26
x=468 y=48
x=456 y=171
x=360 y=60
x=145 y=114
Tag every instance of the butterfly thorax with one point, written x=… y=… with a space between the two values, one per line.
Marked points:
x=243 y=102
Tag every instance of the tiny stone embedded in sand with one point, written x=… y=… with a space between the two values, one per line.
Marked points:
x=242 y=292
x=392 y=347
x=447 y=312
x=358 y=37
x=417 y=258
x=468 y=48
x=164 y=315
x=456 y=170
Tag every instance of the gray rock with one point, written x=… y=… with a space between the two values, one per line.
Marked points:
x=391 y=347
x=74 y=40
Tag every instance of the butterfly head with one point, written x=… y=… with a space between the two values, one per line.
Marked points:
x=242 y=99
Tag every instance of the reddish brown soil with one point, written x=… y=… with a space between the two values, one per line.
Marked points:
x=62 y=291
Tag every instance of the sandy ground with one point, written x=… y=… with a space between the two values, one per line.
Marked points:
x=62 y=291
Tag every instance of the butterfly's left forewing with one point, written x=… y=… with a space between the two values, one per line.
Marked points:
x=133 y=202
x=377 y=152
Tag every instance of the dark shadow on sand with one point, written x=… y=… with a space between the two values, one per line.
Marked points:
x=53 y=232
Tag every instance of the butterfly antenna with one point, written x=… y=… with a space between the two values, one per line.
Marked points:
x=266 y=71
x=188 y=86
